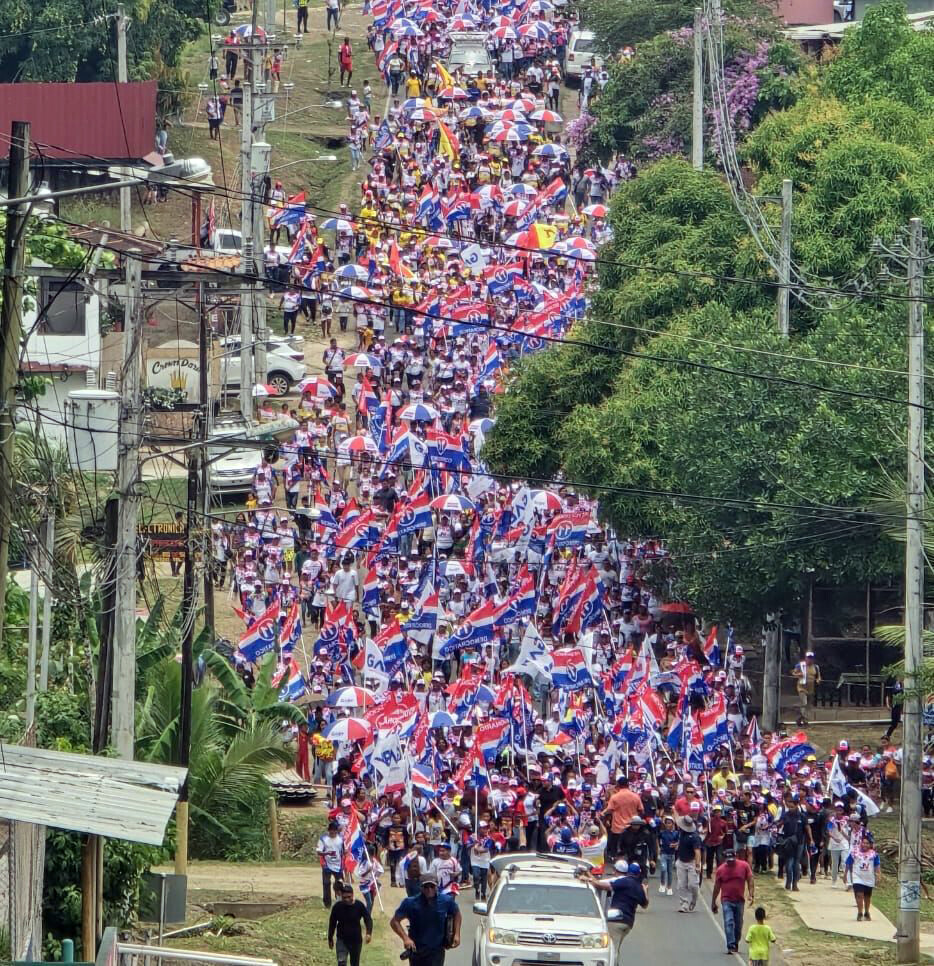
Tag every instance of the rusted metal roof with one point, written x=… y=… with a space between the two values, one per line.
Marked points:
x=84 y=120
x=115 y=239
x=207 y=263
x=84 y=793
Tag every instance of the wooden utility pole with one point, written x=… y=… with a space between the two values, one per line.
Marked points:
x=11 y=334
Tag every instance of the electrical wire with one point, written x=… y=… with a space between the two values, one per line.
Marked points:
x=771 y=378
x=418 y=230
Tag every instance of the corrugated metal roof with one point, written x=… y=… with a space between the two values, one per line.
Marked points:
x=84 y=793
x=84 y=120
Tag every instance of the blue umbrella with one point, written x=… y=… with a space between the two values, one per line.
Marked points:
x=442 y=719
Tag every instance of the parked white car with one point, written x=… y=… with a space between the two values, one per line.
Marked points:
x=581 y=50
x=285 y=363
x=540 y=912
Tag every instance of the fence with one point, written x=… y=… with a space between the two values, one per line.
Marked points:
x=115 y=953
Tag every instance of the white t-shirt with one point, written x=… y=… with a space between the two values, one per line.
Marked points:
x=862 y=866
x=344 y=584
x=331 y=847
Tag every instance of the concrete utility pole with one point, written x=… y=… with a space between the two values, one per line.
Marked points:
x=771 y=675
x=247 y=260
x=11 y=334
x=123 y=77
x=697 y=121
x=188 y=637
x=907 y=936
x=784 y=264
x=49 y=558
x=33 y=634
x=128 y=478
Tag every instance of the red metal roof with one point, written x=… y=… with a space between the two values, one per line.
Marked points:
x=83 y=120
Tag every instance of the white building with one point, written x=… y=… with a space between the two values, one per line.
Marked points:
x=64 y=346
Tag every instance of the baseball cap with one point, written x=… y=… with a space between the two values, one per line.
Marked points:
x=621 y=865
x=634 y=868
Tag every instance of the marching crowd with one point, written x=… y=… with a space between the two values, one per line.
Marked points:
x=486 y=666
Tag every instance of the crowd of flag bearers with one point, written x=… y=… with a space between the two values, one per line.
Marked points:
x=484 y=663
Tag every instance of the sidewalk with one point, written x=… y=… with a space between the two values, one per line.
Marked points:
x=829 y=909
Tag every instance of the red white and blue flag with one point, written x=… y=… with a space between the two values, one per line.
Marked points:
x=569 y=670
x=260 y=639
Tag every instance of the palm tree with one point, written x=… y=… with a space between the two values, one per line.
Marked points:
x=240 y=705
x=228 y=791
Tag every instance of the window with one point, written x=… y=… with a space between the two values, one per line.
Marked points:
x=584 y=45
x=64 y=308
x=546 y=900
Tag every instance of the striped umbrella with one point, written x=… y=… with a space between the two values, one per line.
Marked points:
x=548 y=117
x=318 y=386
x=357 y=445
x=451 y=503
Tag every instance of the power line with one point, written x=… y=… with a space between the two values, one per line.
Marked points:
x=564 y=340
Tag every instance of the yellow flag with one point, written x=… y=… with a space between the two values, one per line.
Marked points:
x=542 y=236
x=446 y=79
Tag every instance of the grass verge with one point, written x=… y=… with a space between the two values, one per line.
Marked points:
x=296 y=936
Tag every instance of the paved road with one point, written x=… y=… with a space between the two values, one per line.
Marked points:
x=662 y=936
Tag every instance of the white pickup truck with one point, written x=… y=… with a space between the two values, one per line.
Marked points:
x=540 y=912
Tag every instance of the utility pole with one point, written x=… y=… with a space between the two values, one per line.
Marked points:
x=907 y=935
x=11 y=334
x=188 y=638
x=784 y=263
x=697 y=119
x=128 y=477
x=122 y=78
x=207 y=422
x=33 y=634
x=771 y=675
x=47 y=600
x=247 y=261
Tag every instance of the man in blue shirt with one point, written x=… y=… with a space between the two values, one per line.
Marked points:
x=427 y=915
x=626 y=892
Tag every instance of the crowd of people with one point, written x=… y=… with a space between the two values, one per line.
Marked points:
x=486 y=665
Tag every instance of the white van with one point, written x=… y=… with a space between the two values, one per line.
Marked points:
x=581 y=48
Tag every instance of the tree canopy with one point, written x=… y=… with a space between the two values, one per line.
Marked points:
x=645 y=109
x=753 y=457
x=72 y=41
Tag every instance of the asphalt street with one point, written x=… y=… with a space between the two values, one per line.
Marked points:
x=660 y=936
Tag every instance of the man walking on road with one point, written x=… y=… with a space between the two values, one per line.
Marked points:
x=331 y=856
x=434 y=924
x=688 y=864
x=623 y=804
x=626 y=892
x=345 y=920
x=732 y=878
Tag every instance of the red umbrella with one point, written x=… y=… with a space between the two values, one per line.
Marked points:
x=677 y=607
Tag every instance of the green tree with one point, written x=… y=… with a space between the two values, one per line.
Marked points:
x=885 y=57
x=645 y=109
x=70 y=41
x=618 y=23
x=228 y=791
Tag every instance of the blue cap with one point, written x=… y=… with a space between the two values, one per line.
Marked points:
x=634 y=868
x=566 y=835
